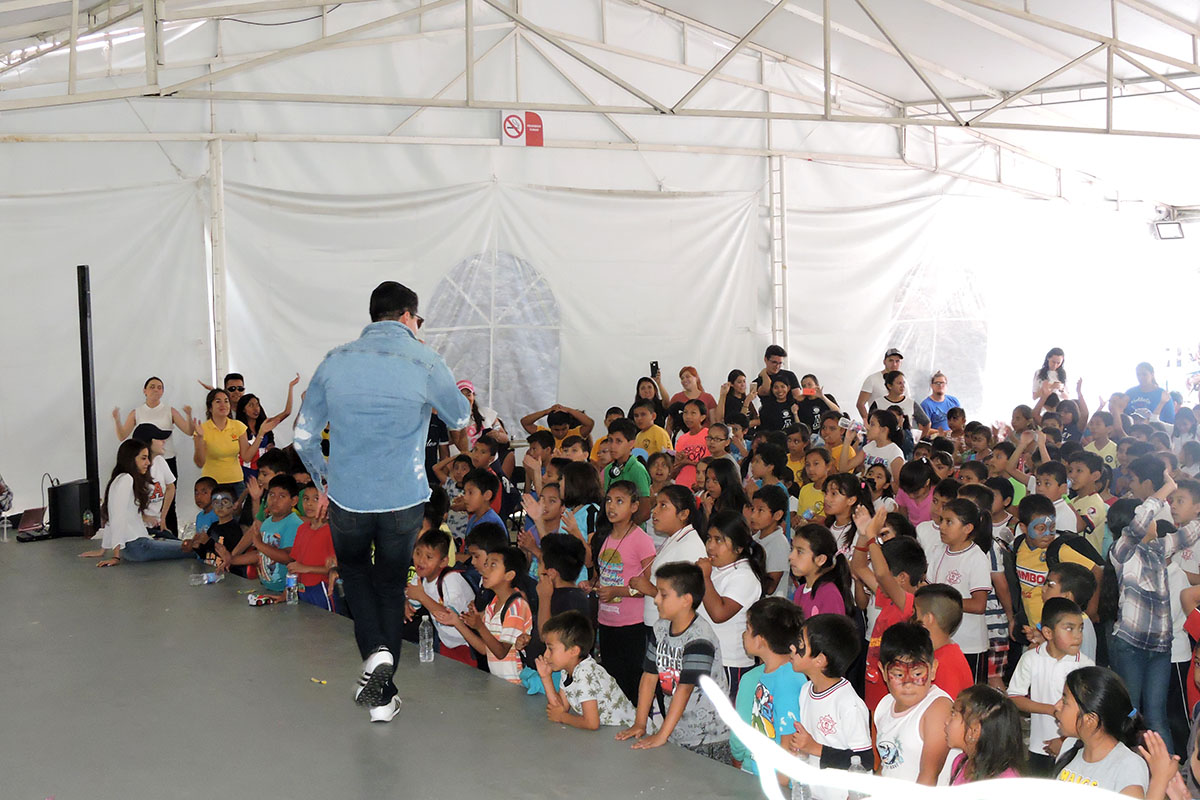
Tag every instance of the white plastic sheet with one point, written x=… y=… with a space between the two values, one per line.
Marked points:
x=149 y=317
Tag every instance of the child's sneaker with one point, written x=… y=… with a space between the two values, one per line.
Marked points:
x=387 y=711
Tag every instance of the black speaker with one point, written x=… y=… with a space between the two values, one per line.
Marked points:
x=68 y=502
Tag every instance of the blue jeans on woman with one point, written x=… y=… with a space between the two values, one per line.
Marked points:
x=147 y=549
x=1146 y=674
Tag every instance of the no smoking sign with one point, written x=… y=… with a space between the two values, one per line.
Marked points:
x=521 y=129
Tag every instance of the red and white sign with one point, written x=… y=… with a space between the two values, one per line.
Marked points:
x=521 y=129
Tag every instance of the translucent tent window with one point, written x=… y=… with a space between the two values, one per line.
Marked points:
x=496 y=322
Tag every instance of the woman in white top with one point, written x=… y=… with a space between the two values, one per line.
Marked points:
x=735 y=572
x=161 y=415
x=673 y=514
x=125 y=499
x=1051 y=373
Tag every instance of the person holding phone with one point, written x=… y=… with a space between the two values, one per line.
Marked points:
x=813 y=403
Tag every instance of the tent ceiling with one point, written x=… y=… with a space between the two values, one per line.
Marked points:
x=1008 y=66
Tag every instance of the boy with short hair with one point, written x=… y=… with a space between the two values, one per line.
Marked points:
x=506 y=618
x=1002 y=518
x=1100 y=429
x=589 y=696
x=1038 y=548
x=272 y=463
x=939 y=610
x=480 y=488
x=894 y=572
x=611 y=414
x=439 y=588
x=450 y=473
x=574 y=448
x=834 y=724
x=1076 y=583
x=769 y=694
x=562 y=422
x=1037 y=684
x=202 y=494
x=650 y=437
x=832 y=434
x=622 y=437
x=313 y=558
x=680 y=648
x=214 y=545
x=1084 y=471
x=272 y=538
x=738 y=425
x=1052 y=483
x=998 y=467
x=910 y=721
x=558 y=591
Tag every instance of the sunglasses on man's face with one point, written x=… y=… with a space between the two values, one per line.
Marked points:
x=235 y=388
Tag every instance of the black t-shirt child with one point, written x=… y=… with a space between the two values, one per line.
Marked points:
x=775 y=416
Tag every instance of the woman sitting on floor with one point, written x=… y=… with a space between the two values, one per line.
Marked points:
x=125 y=499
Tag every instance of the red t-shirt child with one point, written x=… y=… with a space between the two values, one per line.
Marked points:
x=313 y=548
x=1192 y=626
x=953 y=672
x=889 y=615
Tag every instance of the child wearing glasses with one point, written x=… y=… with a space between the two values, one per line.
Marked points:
x=910 y=722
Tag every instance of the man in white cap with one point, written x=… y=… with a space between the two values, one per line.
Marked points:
x=873 y=387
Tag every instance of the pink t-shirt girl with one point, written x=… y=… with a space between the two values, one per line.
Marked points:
x=692 y=446
x=958 y=777
x=825 y=600
x=619 y=562
x=918 y=510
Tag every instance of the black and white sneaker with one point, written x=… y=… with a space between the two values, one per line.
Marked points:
x=387 y=711
x=377 y=672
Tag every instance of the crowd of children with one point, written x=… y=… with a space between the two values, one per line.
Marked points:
x=937 y=599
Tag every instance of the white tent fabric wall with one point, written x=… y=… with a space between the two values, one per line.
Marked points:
x=978 y=284
x=637 y=276
x=150 y=317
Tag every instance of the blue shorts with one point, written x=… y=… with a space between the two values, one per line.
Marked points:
x=319 y=596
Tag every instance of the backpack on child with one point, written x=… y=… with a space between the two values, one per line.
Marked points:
x=1078 y=543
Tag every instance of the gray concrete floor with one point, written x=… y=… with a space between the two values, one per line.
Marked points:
x=129 y=683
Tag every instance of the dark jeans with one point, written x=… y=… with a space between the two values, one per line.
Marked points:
x=375 y=591
x=622 y=654
x=172 y=521
x=1147 y=676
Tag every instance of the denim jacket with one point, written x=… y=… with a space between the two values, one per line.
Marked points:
x=376 y=394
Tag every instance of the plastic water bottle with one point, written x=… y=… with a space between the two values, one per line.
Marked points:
x=426 y=637
x=801 y=791
x=203 y=578
x=856 y=767
x=291 y=589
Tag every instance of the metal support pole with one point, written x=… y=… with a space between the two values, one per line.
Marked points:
x=826 y=38
x=216 y=232
x=733 y=51
x=73 y=57
x=777 y=209
x=469 y=29
x=150 y=40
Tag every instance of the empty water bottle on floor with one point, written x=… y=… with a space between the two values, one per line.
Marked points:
x=426 y=640
x=202 y=578
x=801 y=791
x=856 y=768
x=291 y=589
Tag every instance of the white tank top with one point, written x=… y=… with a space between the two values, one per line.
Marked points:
x=899 y=739
x=160 y=416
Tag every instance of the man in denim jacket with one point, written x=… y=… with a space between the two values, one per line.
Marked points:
x=376 y=394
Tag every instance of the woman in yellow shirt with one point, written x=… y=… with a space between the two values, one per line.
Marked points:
x=220 y=442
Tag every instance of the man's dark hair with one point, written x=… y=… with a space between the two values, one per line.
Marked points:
x=906 y=642
x=625 y=427
x=484 y=480
x=392 y=300
x=834 y=636
x=285 y=482
x=775 y=351
x=564 y=554
x=778 y=621
x=487 y=536
x=232 y=376
x=684 y=578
